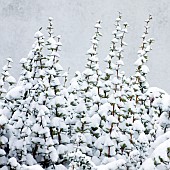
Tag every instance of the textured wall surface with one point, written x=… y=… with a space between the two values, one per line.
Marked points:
x=74 y=20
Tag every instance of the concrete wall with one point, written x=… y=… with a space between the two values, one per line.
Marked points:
x=74 y=20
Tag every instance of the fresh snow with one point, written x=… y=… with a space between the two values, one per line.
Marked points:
x=97 y=120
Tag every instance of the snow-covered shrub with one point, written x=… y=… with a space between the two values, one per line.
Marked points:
x=95 y=120
x=78 y=160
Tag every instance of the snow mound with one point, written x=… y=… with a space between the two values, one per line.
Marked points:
x=33 y=167
x=15 y=93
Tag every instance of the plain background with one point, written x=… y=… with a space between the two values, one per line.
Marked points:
x=74 y=20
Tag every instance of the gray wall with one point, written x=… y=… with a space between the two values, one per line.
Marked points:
x=74 y=20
